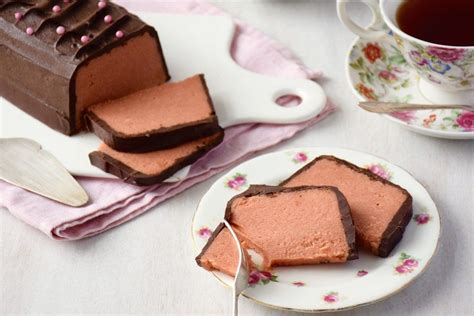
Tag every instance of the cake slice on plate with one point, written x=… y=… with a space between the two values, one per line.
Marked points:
x=152 y=167
x=381 y=210
x=286 y=226
x=156 y=118
x=220 y=253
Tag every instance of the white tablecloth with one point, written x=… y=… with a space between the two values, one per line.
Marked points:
x=147 y=266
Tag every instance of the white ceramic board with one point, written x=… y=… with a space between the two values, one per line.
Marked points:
x=192 y=44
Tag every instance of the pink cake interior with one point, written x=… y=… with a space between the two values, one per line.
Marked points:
x=285 y=228
x=161 y=106
x=222 y=254
x=373 y=203
x=157 y=161
x=292 y=228
x=134 y=66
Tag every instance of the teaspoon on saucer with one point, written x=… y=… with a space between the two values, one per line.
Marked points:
x=389 y=107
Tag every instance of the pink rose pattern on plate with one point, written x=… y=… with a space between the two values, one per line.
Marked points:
x=237 y=182
x=421 y=218
x=406 y=264
x=381 y=72
x=204 y=232
x=300 y=157
x=380 y=170
x=331 y=297
x=257 y=277
x=298 y=284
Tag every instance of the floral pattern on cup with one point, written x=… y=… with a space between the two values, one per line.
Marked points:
x=237 y=182
x=379 y=72
x=380 y=170
x=300 y=157
x=406 y=264
x=421 y=218
x=204 y=232
x=298 y=283
x=257 y=277
x=331 y=297
x=450 y=67
x=362 y=273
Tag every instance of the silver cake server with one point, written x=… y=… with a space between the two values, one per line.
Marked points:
x=25 y=164
x=241 y=279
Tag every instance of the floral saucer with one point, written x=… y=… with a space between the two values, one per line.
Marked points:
x=326 y=287
x=377 y=71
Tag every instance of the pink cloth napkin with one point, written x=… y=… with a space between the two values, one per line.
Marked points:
x=114 y=202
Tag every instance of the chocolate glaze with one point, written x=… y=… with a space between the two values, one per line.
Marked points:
x=121 y=170
x=34 y=107
x=59 y=56
x=157 y=139
x=344 y=208
x=394 y=231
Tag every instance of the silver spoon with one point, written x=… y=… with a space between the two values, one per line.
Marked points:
x=389 y=107
x=241 y=274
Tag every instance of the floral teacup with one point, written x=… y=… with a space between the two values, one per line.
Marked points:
x=446 y=72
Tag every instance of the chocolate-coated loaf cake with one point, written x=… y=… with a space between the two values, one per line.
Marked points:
x=58 y=57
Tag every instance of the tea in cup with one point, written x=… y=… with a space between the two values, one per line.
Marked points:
x=436 y=37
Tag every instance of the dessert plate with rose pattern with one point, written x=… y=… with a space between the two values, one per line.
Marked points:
x=377 y=71
x=326 y=287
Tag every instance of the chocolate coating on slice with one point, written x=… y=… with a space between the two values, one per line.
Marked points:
x=153 y=167
x=216 y=232
x=395 y=229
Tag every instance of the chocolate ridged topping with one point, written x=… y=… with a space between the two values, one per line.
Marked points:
x=78 y=17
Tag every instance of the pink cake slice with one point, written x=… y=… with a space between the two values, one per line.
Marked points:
x=220 y=253
x=286 y=226
x=381 y=210
x=152 y=167
x=160 y=117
